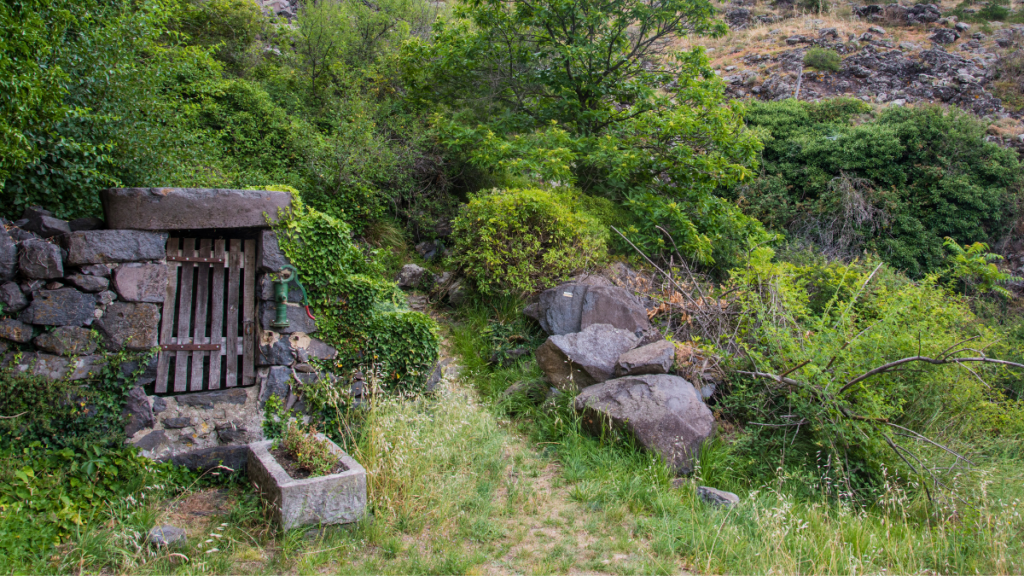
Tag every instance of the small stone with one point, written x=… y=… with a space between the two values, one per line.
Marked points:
x=88 y=283
x=159 y=404
x=47 y=226
x=136 y=282
x=166 y=536
x=41 y=260
x=105 y=297
x=54 y=285
x=95 y=270
x=717 y=497
x=176 y=423
x=131 y=326
x=15 y=331
x=30 y=286
x=232 y=435
x=411 y=276
x=12 y=298
x=63 y=307
x=67 y=341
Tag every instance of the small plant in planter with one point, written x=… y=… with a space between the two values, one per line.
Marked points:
x=307 y=479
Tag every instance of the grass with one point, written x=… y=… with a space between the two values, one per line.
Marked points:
x=471 y=482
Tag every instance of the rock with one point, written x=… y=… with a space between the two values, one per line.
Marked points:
x=829 y=34
x=138 y=411
x=411 y=276
x=159 y=405
x=232 y=457
x=87 y=367
x=615 y=306
x=962 y=26
x=298 y=320
x=653 y=358
x=136 y=282
x=232 y=435
x=207 y=400
x=456 y=293
x=191 y=208
x=166 y=536
x=284 y=351
x=435 y=377
x=130 y=326
x=277 y=353
x=15 y=331
x=41 y=260
x=54 y=285
x=95 y=270
x=88 y=283
x=430 y=249
x=44 y=365
x=798 y=39
x=67 y=341
x=62 y=307
x=152 y=442
x=106 y=297
x=664 y=413
x=573 y=361
x=34 y=211
x=278 y=383
x=560 y=309
x=87 y=223
x=142 y=377
x=417 y=302
x=529 y=388
x=20 y=235
x=47 y=226
x=12 y=298
x=101 y=246
x=8 y=255
x=944 y=36
x=176 y=423
x=717 y=497
x=269 y=257
x=30 y=286
x=738 y=19
x=877 y=30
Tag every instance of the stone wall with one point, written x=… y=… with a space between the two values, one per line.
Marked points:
x=74 y=292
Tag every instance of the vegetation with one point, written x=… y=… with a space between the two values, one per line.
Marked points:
x=521 y=241
x=309 y=453
x=823 y=59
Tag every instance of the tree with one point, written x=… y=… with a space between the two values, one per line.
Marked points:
x=589 y=93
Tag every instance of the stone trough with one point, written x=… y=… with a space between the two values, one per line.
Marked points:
x=332 y=499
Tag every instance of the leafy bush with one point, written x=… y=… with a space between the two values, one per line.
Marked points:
x=519 y=241
x=365 y=316
x=309 y=452
x=896 y=184
x=823 y=59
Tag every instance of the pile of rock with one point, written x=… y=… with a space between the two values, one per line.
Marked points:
x=70 y=289
x=603 y=345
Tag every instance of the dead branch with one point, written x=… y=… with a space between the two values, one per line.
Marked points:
x=936 y=361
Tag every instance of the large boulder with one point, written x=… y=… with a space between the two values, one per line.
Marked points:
x=130 y=326
x=47 y=226
x=101 y=246
x=574 y=306
x=653 y=358
x=40 y=260
x=137 y=282
x=411 y=276
x=664 y=413
x=573 y=361
x=61 y=307
x=67 y=341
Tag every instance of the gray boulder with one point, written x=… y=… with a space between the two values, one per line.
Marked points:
x=136 y=282
x=269 y=257
x=40 y=260
x=100 y=246
x=944 y=36
x=47 y=226
x=572 y=307
x=87 y=223
x=573 y=361
x=45 y=365
x=15 y=331
x=8 y=255
x=138 y=411
x=67 y=341
x=61 y=307
x=130 y=326
x=664 y=413
x=87 y=367
x=411 y=276
x=717 y=497
x=285 y=351
x=12 y=298
x=653 y=358
x=166 y=536
x=278 y=383
x=88 y=283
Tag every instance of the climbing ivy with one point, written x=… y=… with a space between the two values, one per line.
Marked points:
x=362 y=314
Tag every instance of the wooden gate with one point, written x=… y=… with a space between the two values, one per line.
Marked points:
x=208 y=324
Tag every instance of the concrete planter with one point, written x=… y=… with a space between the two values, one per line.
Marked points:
x=333 y=499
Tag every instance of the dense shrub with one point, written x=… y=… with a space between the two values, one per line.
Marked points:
x=365 y=316
x=823 y=59
x=896 y=183
x=522 y=240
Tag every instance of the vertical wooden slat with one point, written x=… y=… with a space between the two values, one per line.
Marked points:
x=167 y=318
x=184 y=316
x=217 y=315
x=199 y=330
x=249 y=315
x=231 y=338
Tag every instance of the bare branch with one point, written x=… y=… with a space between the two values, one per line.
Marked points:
x=937 y=361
